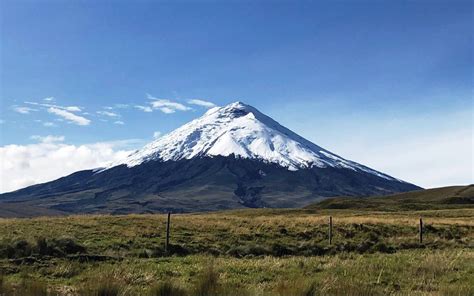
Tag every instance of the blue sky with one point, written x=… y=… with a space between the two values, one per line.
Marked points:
x=374 y=81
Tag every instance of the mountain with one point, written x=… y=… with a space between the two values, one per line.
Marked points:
x=243 y=131
x=231 y=157
x=428 y=199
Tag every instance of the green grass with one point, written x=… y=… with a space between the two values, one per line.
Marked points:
x=454 y=197
x=245 y=252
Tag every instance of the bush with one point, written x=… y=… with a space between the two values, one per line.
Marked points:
x=54 y=247
x=16 y=249
x=312 y=249
x=383 y=248
x=248 y=250
x=68 y=246
x=281 y=250
x=58 y=247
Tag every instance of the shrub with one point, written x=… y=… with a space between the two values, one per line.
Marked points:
x=21 y=248
x=177 y=250
x=281 y=250
x=248 y=250
x=383 y=248
x=312 y=249
x=55 y=247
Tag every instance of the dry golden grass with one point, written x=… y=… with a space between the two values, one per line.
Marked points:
x=373 y=253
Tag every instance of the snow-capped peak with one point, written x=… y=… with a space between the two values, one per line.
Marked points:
x=243 y=131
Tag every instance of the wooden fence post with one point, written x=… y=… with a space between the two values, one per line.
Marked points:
x=330 y=229
x=168 y=233
x=421 y=230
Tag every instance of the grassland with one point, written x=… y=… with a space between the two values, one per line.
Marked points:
x=246 y=252
x=452 y=197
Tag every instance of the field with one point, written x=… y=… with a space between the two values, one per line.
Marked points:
x=245 y=252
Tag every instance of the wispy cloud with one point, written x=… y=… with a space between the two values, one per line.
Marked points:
x=117 y=106
x=68 y=108
x=166 y=110
x=64 y=112
x=108 y=113
x=48 y=139
x=166 y=106
x=144 y=108
x=48 y=124
x=49 y=99
x=156 y=134
x=202 y=103
x=69 y=116
x=71 y=108
x=23 y=110
x=119 y=122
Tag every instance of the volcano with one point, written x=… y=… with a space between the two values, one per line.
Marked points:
x=231 y=157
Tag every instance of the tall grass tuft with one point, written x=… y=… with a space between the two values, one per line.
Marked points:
x=167 y=289
x=101 y=287
x=5 y=289
x=297 y=288
x=27 y=287
x=349 y=288
x=30 y=287
x=207 y=284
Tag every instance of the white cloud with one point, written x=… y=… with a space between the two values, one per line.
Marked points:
x=48 y=124
x=51 y=158
x=119 y=122
x=71 y=117
x=49 y=99
x=143 y=108
x=23 y=110
x=48 y=139
x=108 y=113
x=156 y=134
x=202 y=103
x=45 y=123
x=166 y=110
x=72 y=108
x=435 y=160
x=68 y=108
x=166 y=106
x=117 y=106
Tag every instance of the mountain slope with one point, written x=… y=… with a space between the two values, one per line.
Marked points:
x=435 y=198
x=241 y=130
x=232 y=157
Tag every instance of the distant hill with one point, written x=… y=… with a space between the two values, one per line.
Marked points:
x=436 y=198
x=21 y=210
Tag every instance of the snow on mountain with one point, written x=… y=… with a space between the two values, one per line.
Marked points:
x=243 y=131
